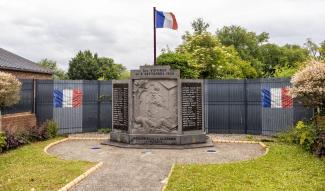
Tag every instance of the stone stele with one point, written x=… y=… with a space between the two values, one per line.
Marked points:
x=156 y=107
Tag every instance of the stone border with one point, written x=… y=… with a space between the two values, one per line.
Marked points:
x=83 y=175
x=54 y=143
x=245 y=142
x=168 y=177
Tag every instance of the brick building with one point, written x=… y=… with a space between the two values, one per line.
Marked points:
x=23 y=69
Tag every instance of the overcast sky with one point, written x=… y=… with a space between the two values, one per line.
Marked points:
x=122 y=29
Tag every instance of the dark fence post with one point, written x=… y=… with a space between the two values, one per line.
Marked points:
x=98 y=104
x=33 y=96
x=246 y=104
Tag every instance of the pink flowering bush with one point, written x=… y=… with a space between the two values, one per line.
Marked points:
x=9 y=89
x=308 y=85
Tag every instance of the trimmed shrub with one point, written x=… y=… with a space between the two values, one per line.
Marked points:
x=14 y=140
x=43 y=131
x=303 y=134
x=308 y=84
x=38 y=133
x=318 y=147
x=10 y=89
x=2 y=141
x=51 y=128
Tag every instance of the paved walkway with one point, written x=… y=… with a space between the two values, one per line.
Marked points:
x=143 y=169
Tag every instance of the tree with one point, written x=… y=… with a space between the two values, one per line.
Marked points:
x=83 y=66
x=210 y=59
x=199 y=26
x=308 y=85
x=246 y=43
x=9 y=91
x=316 y=51
x=108 y=69
x=282 y=59
x=58 y=74
x=178 y=61
x=88 y=66
x=322 y=51
x=312 y=48
x=125 y=75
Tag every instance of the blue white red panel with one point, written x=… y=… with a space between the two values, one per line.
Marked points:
x=67 y=98
x=276 y=98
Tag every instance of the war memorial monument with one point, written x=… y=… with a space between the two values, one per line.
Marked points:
x=156 y=107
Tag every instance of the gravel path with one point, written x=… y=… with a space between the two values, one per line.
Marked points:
x=143 y=169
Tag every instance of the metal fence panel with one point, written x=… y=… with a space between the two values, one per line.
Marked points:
x=69 y=119
x=275 y=120
x=254 y=117
x=231 y=106
x=226 y=106
x=90 y=106
x=25 y=103
x=234 y=106
x=105 y=104
x=44 y=100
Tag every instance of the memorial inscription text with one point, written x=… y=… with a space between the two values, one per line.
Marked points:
x=120 y=105
x=191 y=106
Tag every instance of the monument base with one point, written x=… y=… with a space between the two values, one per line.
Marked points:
x=124 y=140
x=158 y=139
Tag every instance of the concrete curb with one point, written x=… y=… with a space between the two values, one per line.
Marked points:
x=54 y=143
x=245 y=142
x=83 y=175
x=86 y=138
x=168 y=177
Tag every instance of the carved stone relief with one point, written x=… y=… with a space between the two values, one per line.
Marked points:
x=154 y=106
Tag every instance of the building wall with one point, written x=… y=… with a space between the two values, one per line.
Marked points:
x=28 y=75
x=18 y=122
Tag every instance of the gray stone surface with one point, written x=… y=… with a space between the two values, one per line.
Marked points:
x=154 y=106
x=143 y=169
x=157 y=107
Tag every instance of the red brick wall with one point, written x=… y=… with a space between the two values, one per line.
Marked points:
x=28 y=75
x=18 y=121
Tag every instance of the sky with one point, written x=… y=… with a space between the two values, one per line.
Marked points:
x=123 y=29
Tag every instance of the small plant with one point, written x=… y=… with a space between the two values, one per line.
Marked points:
x=249 y=137
x=303 y=134
x=15 y=139
x=43 y=131
x=2 y=141
x=51 y=128
x=38 y=133
x=104 y=130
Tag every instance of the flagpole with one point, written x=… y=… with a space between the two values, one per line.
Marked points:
x=154 y=36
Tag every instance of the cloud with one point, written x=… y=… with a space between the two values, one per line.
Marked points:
x=122 y=30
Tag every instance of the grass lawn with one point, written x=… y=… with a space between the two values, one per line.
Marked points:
x=29 y=167
x=285 y=167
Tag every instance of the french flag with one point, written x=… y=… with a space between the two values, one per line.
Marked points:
x=166 y=20
x=276 y=98
x=67 y=98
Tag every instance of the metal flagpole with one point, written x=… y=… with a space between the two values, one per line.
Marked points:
x=154 y=36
